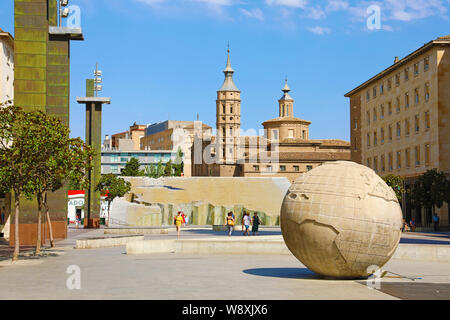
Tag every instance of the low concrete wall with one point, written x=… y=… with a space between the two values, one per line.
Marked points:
x=151 y=246
x=106 y=242
x=231 y=247
x=139 y=231
x=268 y=245
x=423 y=252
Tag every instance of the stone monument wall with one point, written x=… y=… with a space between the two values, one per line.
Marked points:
x=206 y=200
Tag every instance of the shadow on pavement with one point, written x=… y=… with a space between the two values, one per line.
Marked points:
x=424 y=241
x=415 y=290
x=224 y=233
x=288 y=273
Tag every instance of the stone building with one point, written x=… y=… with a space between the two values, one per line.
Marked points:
x=285 y=150
x=400 y=120
x=6 y=66
x=173 y=135
x=132 y=136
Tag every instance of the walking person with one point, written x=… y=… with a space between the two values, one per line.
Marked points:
x=78 y=221
x=436 y=222
x=230 y=223
x=412 y=224
x=184 y=218
x=178 y=222
x=246 y=221
x=255 y=224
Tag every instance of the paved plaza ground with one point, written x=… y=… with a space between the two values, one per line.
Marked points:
x=109 y=273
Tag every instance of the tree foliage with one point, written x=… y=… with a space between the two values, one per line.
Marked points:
x=113 y=187
x=397 y=184
x=16 y=159
x=168 y=172
x=430 y=189
x=132 y=168
x=60 y=159
x=37 y=156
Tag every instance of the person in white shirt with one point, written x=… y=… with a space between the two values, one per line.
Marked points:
x=246 y=221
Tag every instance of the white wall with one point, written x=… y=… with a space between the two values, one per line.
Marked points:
x=6 y=71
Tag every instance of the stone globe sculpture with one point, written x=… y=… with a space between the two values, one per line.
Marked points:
x=341 y=218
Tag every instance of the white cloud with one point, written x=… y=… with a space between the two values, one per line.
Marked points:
x=288 y=3
x=216 y=2
x=408 y=10
x=151 y=2
x=337 y=5
x=319 y=30
x=315 y=13
x=255 y=13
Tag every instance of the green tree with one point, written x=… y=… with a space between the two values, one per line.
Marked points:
x=396 y=183
x=60 y=159
x=150 y=171
x=132 y=168
x=159 y=169
x=178 y=163
x=63 y=159
x=17 y=155
x=113 y=187
x=430 y=190
x=168 y=172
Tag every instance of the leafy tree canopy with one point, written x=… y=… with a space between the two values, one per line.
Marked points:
x=132 y=168
x=396 y=183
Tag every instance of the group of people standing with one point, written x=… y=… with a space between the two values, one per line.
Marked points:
x=412 y=224
x=247 y=221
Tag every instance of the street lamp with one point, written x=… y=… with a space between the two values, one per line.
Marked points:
x=97 y=80
x=63 y=13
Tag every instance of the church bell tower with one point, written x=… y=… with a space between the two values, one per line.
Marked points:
x=228 y=116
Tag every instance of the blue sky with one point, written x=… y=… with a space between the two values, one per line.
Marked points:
x=163 y=59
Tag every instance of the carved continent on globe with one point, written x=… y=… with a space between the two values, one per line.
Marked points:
x=341 y=218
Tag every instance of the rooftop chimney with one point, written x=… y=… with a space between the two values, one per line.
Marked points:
x=396 y=60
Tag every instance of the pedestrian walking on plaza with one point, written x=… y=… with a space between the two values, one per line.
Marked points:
x=412 y=225
x=246 y=222
x=230 y=223
x=255 y=224
x=184 y=218
x=436 y=222
x=77 y=221
x=178 y=222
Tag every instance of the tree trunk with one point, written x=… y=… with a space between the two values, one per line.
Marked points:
x=49 y=222
x=16 y=227
x=39 y=224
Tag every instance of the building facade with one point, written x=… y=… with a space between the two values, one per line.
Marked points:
x=114 y=160
x=400 y=120
x=134 y=135
x=173 y=135
x=6 y=66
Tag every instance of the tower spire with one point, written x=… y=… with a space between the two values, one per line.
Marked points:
x=228 y=84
